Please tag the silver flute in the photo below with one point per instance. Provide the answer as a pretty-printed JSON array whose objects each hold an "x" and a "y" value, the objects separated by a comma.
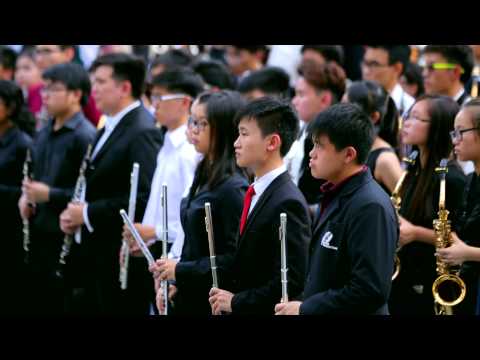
[
  {"x": 132, "y": 203},
  {"x": 211, "y": 244},
  {"x": 77, "y": 197},
  {"x": 26, "y": 222},
  {"x": 164, "y": 284},
  {"x": 141, "y": 244},
  {"x": 283, "y": 253}
]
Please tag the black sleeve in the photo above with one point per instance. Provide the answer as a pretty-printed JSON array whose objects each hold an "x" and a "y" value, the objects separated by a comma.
[
  {"x": 298, "y": 237},
  {"x": 455, "y": 186},
  {"x": 371, "y": 241}
]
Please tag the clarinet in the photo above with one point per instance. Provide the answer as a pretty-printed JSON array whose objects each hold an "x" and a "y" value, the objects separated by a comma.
[
  {"x": 132, "y": 203},
  {"x": 77, "y": 197},
  {"x": 164, "y": 284},
  {"x": 211, "y": 246},
  {"x": 26, "y": 222},
  {"x": 283, "y": 255}
]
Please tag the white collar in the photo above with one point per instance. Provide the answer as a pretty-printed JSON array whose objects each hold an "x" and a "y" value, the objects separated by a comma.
[
  {"x": 112, "y": 121},
  {"x": 263, "y": 182},
  {"x": 459, "y": 94},
  {"x": 178, "y": 136}
]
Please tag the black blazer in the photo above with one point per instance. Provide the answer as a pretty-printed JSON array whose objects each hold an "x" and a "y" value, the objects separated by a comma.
[
  {"x": 193, "y": 274},
  {"x": 135, "y": 139},
  {"x": 253, "y": 275},
  {"x": 352, "y": 252}
]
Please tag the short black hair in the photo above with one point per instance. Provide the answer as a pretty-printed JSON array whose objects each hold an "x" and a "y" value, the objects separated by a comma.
[
  {"x": 345, "y": 125},
  {"x": 273, "y": 116},
  {"x": 12, "y": 97},
  {"x": 214, "y": 73},
  {"x": 172, "y": 58},
  {"x": 396, "y": 53},
  {"x": 457, "y": 54},
  {"x": 273, "y": 81},
  {"x": 73, "y": 76},
  {"x": 329, "y": 52},
  {"x": 183, "y": 80},
  {"x": 125, "y": 67},
  {"x": 8, "y": 58},
  {"x": 413, "y": 75}
]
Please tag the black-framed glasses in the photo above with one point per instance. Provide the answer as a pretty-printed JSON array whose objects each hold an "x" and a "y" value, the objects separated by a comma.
[
  {"x": 373, "y": 64},
  {"x": 457, "y": 134},
  {"x": 197, "y": 124}
]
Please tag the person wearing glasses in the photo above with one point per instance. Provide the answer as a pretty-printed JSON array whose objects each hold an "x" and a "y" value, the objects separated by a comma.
[
  {"x": 465, "y": 250},
  {"x": 446, "y": 70},
  {"x": 221, "y": 182},
  {"x": 385, "y": 64},
  {"x": 49, "y": 55},
  {"x": 426, "y": 128},
  {"x": 172, "y": 94},
  {"x": 58, "y": 152}
]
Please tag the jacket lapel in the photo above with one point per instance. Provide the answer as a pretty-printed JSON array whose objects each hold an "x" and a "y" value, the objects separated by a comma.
[
  {"x": 116, "y": 134},
  {"x": 263, "y": 200}
]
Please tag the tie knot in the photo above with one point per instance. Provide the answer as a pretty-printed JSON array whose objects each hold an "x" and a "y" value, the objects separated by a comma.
[{"x": 250, "y": 191}]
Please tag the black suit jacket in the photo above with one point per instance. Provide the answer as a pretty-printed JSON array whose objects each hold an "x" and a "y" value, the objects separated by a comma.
[
  {"x": 352, "y": 252},
  {"x": 135, "y": 139},
  {"x": 254, "y": 272},
  {"x": 193, "y": 274}
]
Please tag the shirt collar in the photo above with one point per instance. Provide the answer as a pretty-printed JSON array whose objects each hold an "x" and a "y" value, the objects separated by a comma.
[
  {"x": 112, "y": 121},
  {"x": 71, "y": 123},
  {"x": 330, "y": 188},
  {"x": 178, "y": 136},
  {"x": 263, "y": 182},
  {"x": 459, "y": 94}
]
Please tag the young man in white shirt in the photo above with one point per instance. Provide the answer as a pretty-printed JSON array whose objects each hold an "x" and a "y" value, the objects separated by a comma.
[{"x": 172, "y": 94}]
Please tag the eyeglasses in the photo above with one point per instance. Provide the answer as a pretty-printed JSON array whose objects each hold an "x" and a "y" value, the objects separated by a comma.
[
  {"x": 413, "y": 117},
  {"x": 159, "y": 98},
  {"x": 373, "y": 64},
  {"x": 196, "y": 124},
  {"x": 457, "y": 134},
  {"x": 442, "y": 66},
  {"x": 52, "y": 88},
  {"x": 45, "y": 51}
]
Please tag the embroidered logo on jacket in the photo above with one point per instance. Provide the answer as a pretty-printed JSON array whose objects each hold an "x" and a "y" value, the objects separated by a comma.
[{"x": 327, "y": 237}]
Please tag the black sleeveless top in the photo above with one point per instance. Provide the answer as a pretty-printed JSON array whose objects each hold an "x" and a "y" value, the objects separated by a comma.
[{"x": 372, "y": 163}]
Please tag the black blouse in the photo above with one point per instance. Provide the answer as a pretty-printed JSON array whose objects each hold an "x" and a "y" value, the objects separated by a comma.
[{"x": 193, "y": 274}]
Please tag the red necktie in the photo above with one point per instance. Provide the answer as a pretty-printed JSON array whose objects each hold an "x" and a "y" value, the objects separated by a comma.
[{"x": 246, "y": 207}]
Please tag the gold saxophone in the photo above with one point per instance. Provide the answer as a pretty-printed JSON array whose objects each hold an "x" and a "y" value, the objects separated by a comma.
[
  {"x": 397, "y": 201},
  {"x": 443, "y": 239}
]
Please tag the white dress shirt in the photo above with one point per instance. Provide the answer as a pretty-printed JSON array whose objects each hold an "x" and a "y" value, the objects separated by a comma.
[
  {"x": 111, "y": 123},
  {"x": 176, "y": 164},
  {"x": 402, "y": 99},
  {"x": 293, "y": 159},
  {"x": 262, "y": 183}
]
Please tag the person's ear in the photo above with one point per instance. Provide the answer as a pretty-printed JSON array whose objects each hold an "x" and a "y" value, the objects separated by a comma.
[
  {"x": 77, "y": 94},
  {"x": 69, "y": 54},
  {"x": 350, "y": 154},
  {"x": 326, "y": 98},
  {"x": 274, "y": 142},
  {"x": 126, "y": 87},
  {"x": 398, "y": 68},
  {"x": 375, "y": 117}
]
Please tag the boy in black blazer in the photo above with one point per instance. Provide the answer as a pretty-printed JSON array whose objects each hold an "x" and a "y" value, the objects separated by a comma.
[
  {"x": 250, "y": 279},
  {"x": 356, "y": 233}
]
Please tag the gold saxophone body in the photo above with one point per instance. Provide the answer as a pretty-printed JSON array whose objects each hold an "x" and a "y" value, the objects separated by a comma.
[
  {"x": 446, "y": 276},
  {"x": 397, "y": 201}
]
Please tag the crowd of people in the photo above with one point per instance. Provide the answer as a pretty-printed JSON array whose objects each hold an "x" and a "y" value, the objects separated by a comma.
[{"x": 316, "y": 132}]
